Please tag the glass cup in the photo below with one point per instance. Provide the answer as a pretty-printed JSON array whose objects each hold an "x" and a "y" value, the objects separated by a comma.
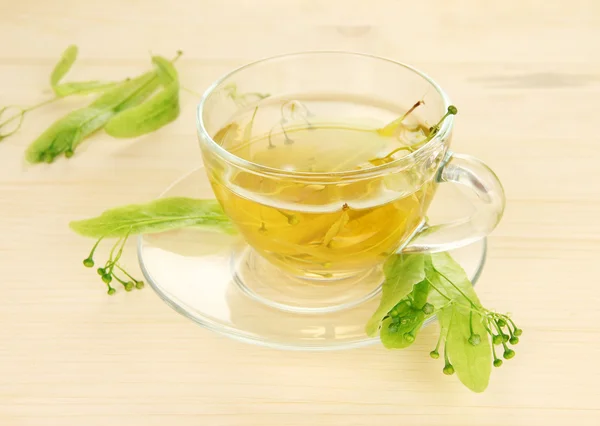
[{"x": 337, "y": 226}]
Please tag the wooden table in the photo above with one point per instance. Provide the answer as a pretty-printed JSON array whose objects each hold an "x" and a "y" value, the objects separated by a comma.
[{"x": 526, "y": 77}]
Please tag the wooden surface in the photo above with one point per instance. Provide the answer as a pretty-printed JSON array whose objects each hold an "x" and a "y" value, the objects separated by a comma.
[{"x": 526, "y": 76}]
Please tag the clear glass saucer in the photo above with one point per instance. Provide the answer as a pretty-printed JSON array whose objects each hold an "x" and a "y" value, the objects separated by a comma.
[{"x": 200, "y": 274}]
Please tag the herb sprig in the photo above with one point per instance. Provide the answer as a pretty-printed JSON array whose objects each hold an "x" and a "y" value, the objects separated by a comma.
[
  {"x": 419, "y": 286},
  {"x": 128, "y": 108},
  {"x": 157, "y": 216}
]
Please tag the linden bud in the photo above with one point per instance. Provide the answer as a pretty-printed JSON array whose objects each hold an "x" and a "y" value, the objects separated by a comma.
[
  {"x": 475, "y": 339},
  {"x": 434, "y": 354},
  {"x": 107, "y": 278},
  {"x": 88, "y": 262},
  {"x": 501, "y": 322},
  {"x": 427, "y": 308},
  {"x": 101, "y": 271},
  {"x": 518, "y": 332},
  {"x": 409, "y": 337},
  {"x": 111, "y": 291},
  {"x": 497, "y": 362},
  {"x": 509, "y": 353},
  {"x": 393, "y": 328},
  {"x": 505, "y": 338},
  {"x": 448, "y": 370},
  {"x": 497, "y": 339},
  {"x": 452, "y": 110},
  {"x": 69, "y": 153},
  {"x": 128, "y": 286},
  {"x": 139, "y": 285},
  {"x": 514, "y": 340}
]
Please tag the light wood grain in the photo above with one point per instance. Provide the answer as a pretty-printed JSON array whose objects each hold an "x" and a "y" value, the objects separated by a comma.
[{"x": 527, "y": 78}]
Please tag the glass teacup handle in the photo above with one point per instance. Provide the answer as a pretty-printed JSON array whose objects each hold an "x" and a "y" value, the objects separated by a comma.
[{"x": 470, "y": 172}]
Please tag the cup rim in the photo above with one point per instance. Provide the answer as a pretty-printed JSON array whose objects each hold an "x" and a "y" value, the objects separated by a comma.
[{"x": 400, "y": 163}]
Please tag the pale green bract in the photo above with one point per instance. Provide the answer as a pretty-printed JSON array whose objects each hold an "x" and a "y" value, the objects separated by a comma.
[
  {"x": 473, "y": 364},
  {"x": 445, "y": 291},
  {"x": 79, "y": 87},
  {"x": 402, "y": 272},
  {"x": 157, "y": 216},
  {"x": 119, "y": 102},
  {"x": 153, "y": 114}
]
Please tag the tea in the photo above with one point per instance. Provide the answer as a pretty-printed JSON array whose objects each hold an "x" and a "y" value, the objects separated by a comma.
[{"x": 327, "y": 227}]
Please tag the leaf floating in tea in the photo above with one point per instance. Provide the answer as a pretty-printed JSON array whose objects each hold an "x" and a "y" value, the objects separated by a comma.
[
  {"x": 433, "y": 130},
  {"x": 243, "y": 98},
  {"x": 337, "y": 227},
  {"x": 392, "y": 128}
]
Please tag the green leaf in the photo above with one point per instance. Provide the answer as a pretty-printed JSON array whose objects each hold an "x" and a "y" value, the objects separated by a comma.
[
  {"x": 153, "y": 114},
  {"x": 64, "y": 65},
  {"x": 82, "y": 87},
  {"x": 129, "y": 93},
  {"x": 157, "y": 216},
  {"x": 472, "y": 363},
  {"x": 64, "y": 135},
  {"x": 402, "y": 272},
  {"x": 444, "y": 272}
]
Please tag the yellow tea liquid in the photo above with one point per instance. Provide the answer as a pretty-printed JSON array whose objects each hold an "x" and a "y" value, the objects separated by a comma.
[{"x": 324, "y": 228}]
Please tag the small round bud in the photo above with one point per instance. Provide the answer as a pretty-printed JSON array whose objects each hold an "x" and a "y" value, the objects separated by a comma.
[
  {"x": 107, "y": 278},
  {"x": 497, "y": 362},
  {"x": 180, "y": 52},
  {"x": 88, "y": 262},
  {"x": 393, "y": 328},
  {"x": 434, "y": 354},
  {"x": 427, "y": 308},
  {"x": 393, "y": 313},
  {"x": 293, "y": 220},
  {"x": 509, "y": 353},
  {"x": 505, "y": 338},
  {"x": 139, "y": 284},
  {"x": 69, "y": 153},
  {"x": 101, "y": 271},
  {"x": 501, "y": 322},
  {"x": 409, "y": 337},
  {"x": 48, "y": 158},
  {"x": 514, "y": 340},
  {"x": 497, "y": 339},
  {"x": 475, "y": 339},
  {"x": 111, "y": 291},
  {"x": 452, "y": 110},
  {"x": 448, "y": 370},
  {"x": 128, "y": 286},
  {"x": 518, "y": 332}
]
